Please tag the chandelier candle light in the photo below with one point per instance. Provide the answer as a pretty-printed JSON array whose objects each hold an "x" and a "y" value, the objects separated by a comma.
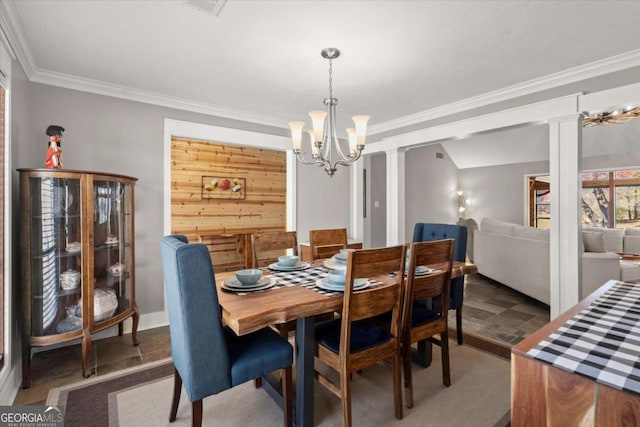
[{"x": 323, "y": 137}]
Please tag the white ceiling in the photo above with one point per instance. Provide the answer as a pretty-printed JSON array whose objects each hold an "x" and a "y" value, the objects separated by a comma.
[{"x": 260, "y": 60}]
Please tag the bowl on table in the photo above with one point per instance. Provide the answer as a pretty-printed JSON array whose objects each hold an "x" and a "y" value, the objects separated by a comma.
[
  {"x": 249, "y": 277},
  {"x": 288, "y": 260},
  {"x": 337, "y": 277},
  {"x": 342, "y": 255}
]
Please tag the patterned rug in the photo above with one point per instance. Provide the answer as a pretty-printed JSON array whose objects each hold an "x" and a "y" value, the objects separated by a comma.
[{"x": 479, "y": 396}]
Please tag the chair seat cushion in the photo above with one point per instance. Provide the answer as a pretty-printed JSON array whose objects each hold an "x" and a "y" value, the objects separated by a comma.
[
  {"x": 256, "y": 354},
  {"x": 421, "y": 315},
  {"x": 364, "y": 335}
]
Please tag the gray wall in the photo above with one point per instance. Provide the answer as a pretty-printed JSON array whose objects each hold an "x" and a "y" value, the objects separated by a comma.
[
  {"x": 323, "y": 201},
  {"x": 430, "y": 188},
  {"x": 498, "y": 191},
  {"x": 378, "y": 193},
  {"x": 114, "y": 135}
]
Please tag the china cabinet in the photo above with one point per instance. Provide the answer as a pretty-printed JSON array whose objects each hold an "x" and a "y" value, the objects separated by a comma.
[{"x": 77, "y": 258}]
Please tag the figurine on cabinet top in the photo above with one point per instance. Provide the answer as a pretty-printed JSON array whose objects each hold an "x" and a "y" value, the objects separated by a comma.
[{"x": 54, "y": 155}]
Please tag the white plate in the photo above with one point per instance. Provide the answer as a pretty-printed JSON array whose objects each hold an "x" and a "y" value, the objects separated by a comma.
[
  {"x": 233, "y": 284},
  {"x": 332, "y": 264},
  {"x": 421, "y": 270},
  {"x": 358, "y": 284},
  {"x": 301, "y": 265}
]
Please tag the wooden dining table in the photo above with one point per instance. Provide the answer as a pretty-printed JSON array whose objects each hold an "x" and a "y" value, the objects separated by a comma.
[{"x": 249, "y": 312}]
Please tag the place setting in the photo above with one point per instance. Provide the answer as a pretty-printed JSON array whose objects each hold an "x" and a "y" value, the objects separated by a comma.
[
  {"x": 335, "y": 282},
  {"x": 248, "y": 280},
  {"x": 422, "y": 270},
  {"x": 289, "y": 263},
  {"x": 338, "y": 261}
]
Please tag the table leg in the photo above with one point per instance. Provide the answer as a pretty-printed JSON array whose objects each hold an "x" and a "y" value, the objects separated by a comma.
[
  {"x": 304, "y": 379},
  {"x": 424, "y": 354}
]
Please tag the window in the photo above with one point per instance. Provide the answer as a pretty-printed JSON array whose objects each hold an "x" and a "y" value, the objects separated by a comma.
[
  {"x": 539, "y": 202},
  {"x": 610, "y": 199}
]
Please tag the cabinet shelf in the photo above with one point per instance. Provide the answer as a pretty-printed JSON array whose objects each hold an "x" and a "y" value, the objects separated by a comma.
[{"x": 59, "y": 207}]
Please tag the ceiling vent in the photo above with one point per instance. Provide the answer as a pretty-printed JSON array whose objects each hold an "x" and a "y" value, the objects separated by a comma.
[{"x": 212, "y": 7}]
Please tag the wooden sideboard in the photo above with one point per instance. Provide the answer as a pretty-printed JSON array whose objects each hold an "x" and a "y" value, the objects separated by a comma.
[
  {"x": 543, "y": 395},
  {"x": 305, "y": 249}
]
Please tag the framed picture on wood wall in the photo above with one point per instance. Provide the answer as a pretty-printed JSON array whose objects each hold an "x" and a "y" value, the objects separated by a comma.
[{"x": 224, "y": 188}]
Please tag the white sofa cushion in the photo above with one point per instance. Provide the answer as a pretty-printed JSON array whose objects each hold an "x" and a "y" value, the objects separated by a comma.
[
  {"x": 532, "y": 233},
  {"x": 629, "y": 271},
  {"x": 613, "y": 238},
  {"x": 632, "y": 231},
  {"x": 491, "y": 225},
  {"x": 593, "y": 241}
]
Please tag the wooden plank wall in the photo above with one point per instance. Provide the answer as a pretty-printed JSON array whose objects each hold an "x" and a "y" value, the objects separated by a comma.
[{"x": 222, "y": 224}]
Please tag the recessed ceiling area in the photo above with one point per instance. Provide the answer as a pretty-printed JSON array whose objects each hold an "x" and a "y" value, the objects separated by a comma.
[{"x": 531, "y": 143}]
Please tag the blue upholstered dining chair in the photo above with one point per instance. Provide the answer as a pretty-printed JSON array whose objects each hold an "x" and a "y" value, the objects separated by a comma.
[
  {"x": 208, "y": 357},
  {"x": 424, "y": 232}
]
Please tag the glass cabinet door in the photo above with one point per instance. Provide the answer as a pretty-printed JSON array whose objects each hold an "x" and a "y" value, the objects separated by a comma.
[
  {"x": 113, "y": 240},
  {"x": 56, "y": 255}
]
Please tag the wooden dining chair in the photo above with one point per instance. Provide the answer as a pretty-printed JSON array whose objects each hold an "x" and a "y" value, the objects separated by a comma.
[
  {"x": 208, "y": 357},
  {"x": 357, "y": 340},
  {"x": 326, "y": 243},
  {"x": 267, "y": 246},
  {"x": 418, "y": 321}
]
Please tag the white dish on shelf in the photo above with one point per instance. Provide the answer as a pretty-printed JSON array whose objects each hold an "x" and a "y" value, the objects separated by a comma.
[
  {"x": 327, "y": 285},
  {"x": 73, "y": 247},
  {"x": 117, "y": 269},
  {"x": 301, "y": 265}
]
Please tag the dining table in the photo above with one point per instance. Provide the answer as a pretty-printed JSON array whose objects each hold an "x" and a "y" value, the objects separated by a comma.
[{"x": 294, "y": 296}]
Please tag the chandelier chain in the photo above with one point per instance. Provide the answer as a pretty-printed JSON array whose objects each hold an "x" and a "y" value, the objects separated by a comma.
[{"x": 330, "y": 79}]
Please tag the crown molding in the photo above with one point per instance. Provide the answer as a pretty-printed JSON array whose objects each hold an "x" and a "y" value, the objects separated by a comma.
[
  {"x": 82, "y": 84},
  {"x": 571, "y": 75},
  {"x": 14, "y": 33}
]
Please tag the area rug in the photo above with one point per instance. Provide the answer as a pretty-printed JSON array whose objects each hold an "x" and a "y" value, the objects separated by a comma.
[{"x": 479, "y": 396}]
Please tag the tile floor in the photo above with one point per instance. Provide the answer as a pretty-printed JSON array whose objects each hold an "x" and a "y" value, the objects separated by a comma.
[{"x": 494, "y": 318}]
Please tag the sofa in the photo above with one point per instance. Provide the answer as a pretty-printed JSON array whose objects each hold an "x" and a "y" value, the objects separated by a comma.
[{"x": 518, "y": 257}]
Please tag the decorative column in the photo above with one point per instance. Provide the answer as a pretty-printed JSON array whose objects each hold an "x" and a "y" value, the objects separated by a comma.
[
  {"x": 565, "y": 167},
  {"x": 395, "y": 196},
  {"x": 356, "y": 211}
]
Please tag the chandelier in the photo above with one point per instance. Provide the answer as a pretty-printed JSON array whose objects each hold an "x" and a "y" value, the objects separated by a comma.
[
  {"x": 323, "y": 137},
  {"x": 617, "y": 117}
]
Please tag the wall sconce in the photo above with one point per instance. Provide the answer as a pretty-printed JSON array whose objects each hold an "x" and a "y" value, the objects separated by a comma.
[{"x": 461, "y": 202}]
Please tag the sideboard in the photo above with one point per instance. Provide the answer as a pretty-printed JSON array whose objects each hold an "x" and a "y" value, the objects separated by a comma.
[{"x": 543, "y": 395}]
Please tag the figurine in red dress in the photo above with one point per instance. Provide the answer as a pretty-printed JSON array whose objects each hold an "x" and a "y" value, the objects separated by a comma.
[{"x": 54, "y": 155}]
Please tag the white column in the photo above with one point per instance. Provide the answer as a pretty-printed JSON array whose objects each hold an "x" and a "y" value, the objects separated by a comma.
[
  {"x": 356, "y": 220},
  {"x": 565, "y": 166},
  {"x": 395, "y": 196}
]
